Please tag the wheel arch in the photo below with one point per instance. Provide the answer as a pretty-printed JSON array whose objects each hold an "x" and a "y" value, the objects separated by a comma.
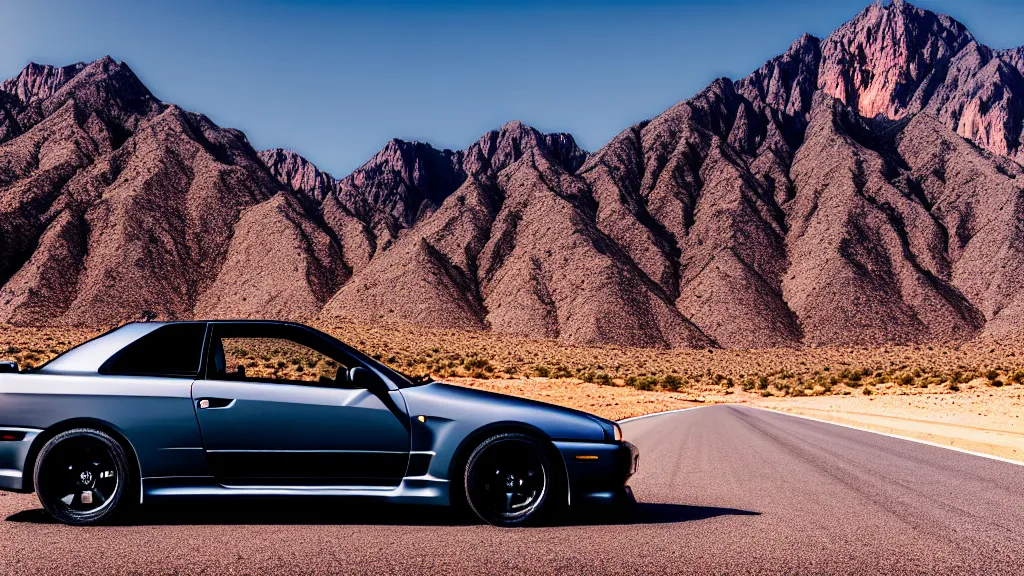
[
  {"x": 456, "y": 468},
  {"x": 63, "y": 426}
]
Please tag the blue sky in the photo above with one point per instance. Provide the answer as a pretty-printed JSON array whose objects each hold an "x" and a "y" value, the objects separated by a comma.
[{"x": 336, "y": 80}]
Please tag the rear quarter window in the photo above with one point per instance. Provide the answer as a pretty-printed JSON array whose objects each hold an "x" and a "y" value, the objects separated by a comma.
[{"x": 172, "y": 351}]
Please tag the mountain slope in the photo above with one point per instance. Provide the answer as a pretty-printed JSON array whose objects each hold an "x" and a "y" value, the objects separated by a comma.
[
  {"x": 514, "y": 248},
  {"x": 863, "y": 188},
  {"x": 118, "y": 206}
]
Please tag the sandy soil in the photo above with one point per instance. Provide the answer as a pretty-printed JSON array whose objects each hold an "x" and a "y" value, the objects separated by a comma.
[
  {"x": 983, "y": 419},
  {"x": 614, "y": 402}
]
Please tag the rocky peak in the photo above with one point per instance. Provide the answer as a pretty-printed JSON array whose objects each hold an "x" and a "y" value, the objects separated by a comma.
[
  {"x": 1014, "y": 57},
  {"x": 401, "y": 184},
  {"x": 297, "y": 173},
  {"x": 889, "y": 58},
  {"x": 786, "y": 83},
  {"x": 416, "y": 164},
  {"x": 38, "y": 81},
  {"x": 498, "y": 149},
  {"x": 411, "y": 160},
  {"x": 105, "y": 87},
  {"x": 563, "y": 149}
]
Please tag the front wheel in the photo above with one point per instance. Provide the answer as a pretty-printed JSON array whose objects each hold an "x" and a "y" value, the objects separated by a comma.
[
  {"x": 508, "y": 480},
  {"x": 82, "y": 477}
]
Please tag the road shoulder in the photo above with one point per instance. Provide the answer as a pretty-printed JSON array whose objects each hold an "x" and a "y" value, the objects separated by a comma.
[{"x": 969, "y": 427}]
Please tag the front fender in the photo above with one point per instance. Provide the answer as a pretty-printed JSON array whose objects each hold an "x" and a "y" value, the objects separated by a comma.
[{"x": 454, "y": 418}]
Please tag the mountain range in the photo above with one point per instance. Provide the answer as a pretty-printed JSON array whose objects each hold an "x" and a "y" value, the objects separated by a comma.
[{"x": 864, "y": 188}]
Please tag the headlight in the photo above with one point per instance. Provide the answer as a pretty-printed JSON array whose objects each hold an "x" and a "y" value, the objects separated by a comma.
[{"x": 618, "y": 432}]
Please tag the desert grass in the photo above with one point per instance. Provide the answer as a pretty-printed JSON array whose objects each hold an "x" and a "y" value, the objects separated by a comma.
[
  {"x": 784, "y": 372},
  {"x": 613, "y": 402},
  {"x": 704, "y": 373},
  {"x": 272, "y": 359},
  {"x": 32, "y": 347}
]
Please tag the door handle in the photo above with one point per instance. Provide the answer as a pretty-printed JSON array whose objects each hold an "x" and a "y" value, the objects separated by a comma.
[{"x": 215, "y": 403}]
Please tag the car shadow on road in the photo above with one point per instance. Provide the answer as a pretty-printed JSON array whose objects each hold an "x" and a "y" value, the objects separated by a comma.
[
  {"x": 333, "y": 513},
  {"x": 257, "y": 512},
  {"x": 652, "y": 513}
]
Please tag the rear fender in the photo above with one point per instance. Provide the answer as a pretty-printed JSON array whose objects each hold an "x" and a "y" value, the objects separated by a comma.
[{"x": 43, "y": 437}]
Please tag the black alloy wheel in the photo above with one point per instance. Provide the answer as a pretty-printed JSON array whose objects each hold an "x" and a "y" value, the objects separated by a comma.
[
  {"x": 508, "y": 480},
  {"x": 82, "y": 477}
]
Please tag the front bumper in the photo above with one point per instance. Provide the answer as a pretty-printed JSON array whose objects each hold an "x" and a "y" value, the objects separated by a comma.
[
  {"x": 597, "y": 473},
  {"x": 13, "y": 454}
]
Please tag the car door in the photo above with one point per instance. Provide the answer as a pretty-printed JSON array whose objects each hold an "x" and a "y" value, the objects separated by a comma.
[{"x": 276, "y": 407}]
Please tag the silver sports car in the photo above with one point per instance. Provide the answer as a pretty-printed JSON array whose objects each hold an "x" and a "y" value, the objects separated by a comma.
[{"x": 248, "y": 409}]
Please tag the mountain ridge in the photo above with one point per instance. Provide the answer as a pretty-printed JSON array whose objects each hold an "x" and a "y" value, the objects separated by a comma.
[{"x": 856, "y": 189}]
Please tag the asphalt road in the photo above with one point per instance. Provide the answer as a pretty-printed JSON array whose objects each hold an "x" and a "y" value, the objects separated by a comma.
[{"x": 721, "y": 490}]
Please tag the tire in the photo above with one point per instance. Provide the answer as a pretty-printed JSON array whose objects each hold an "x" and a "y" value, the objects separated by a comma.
[
  {"x": 83, "y": 477},
  {"x": 509, "y": 480}
]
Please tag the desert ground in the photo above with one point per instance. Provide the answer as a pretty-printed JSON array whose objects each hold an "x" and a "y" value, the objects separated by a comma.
[{"x": 968, "y": 395}]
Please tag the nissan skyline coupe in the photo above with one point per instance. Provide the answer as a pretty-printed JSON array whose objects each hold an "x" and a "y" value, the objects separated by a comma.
[{"x": 162, "y": 411}]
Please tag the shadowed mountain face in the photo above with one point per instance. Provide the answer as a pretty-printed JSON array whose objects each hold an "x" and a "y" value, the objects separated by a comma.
[{"x": 864, "y": 188}]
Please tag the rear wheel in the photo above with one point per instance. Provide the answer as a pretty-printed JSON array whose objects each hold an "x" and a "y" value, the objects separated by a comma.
[
  {"x": 508, "y": 480},
  {"x": 82, "y": 477}
]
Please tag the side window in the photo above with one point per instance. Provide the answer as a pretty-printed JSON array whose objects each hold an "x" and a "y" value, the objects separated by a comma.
[
  {"x": 172, "y": 351},
  {"x": 275, "y": 360}
]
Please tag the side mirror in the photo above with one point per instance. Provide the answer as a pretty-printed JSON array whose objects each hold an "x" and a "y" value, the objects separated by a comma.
[
  {"x": 362, "y": 378},
  {"x": 9, "y": 368}
]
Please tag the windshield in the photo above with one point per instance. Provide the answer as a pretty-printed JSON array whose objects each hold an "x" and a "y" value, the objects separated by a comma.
[
  {"x": 401, "y": 380},
  {"x": 417, "y": 380}
]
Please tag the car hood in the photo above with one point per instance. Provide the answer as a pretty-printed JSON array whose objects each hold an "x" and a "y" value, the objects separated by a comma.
[{"x": 459, "y": 403}]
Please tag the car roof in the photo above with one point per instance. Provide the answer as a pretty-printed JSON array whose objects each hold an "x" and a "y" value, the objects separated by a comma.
[{"x": 87, "y": 358}]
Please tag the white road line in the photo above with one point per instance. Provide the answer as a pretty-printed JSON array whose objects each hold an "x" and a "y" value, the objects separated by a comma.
[
  {"x": 897, "y": 436},
  {"x": 660, "y": 414}
]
